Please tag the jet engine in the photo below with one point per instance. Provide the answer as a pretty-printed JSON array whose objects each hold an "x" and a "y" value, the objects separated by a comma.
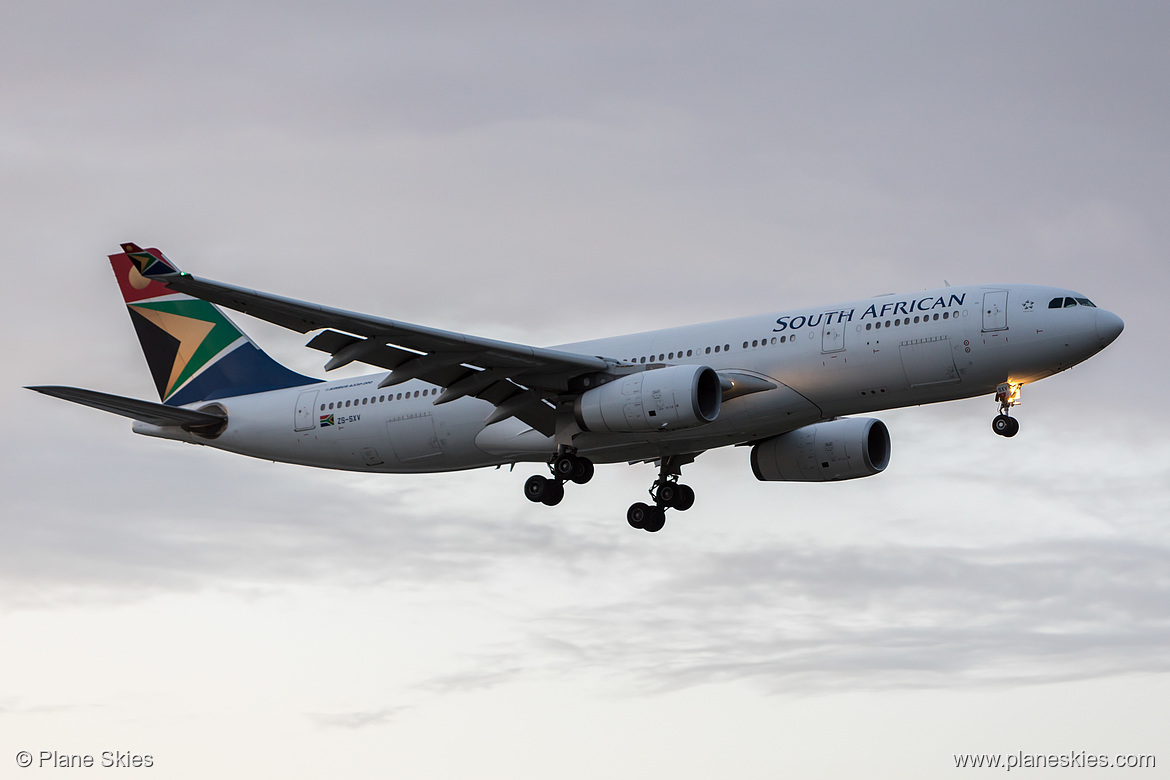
[
  {"x": 660, "y": 399},
  {"x": 838, "y": 449}
]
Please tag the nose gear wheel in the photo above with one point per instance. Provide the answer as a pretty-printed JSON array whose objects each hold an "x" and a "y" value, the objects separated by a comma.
[{"x": 1005, "y": 426}]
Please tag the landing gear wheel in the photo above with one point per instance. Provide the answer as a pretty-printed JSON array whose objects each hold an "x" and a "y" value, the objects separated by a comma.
[
  {"x": 1005, "y": 426},
  {"x": 543, "y": 491},
  {"x": 655, "y": 520},
  {"x": 534, "y": 488},
  {"x": 667, "y": 493},
  {"x": 582, "y": 471},
  {"x": 675, "y": 495},
  {"x": 553, "y": 493},
  {"x": 637, "y": 515},
  {"x": 563, "y": 466}
]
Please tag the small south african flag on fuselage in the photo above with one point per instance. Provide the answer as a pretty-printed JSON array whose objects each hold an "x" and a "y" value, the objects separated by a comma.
[{"x": 326, "y": 420}]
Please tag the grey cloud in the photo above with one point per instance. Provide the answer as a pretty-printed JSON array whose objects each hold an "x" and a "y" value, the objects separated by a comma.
[
  {"x": 160, "y": 516},
  {"x": 630, "y": 147},
  {"x": 846, "y": 619},
  {"x": 360, "y": 719}
]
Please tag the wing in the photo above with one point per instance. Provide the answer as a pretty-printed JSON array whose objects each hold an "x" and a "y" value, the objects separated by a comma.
[
  {"x": 519, "y": 380},
  {"x": 146, "y": 411}
]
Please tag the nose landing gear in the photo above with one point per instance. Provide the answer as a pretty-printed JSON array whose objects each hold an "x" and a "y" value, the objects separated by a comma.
[
  {"x": 1008, "y": 395},
  {"x": 566, "y": 466},
  {"x": 667, "y": 492}
]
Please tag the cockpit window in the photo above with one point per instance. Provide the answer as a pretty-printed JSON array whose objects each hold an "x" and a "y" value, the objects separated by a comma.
[{"x": 1066, "y": 303}]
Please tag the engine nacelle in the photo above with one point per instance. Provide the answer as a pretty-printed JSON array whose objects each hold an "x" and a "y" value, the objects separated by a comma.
[
  {"x": 660, "y": 399},
  {"x": 822, "y": 452}
]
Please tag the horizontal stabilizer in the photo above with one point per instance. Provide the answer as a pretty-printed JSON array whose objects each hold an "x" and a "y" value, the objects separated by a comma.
[{"x": 145, "y": 411}]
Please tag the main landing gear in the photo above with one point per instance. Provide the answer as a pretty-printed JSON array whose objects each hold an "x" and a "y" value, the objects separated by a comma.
[
  {"x": 1008, "y": 395},
  {"x": 667, "y": 492},
  {"x": 566, "y": 466}
]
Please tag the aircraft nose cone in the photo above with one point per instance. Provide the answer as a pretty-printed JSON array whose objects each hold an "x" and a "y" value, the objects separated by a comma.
[{"x": 1109, "y": 326}]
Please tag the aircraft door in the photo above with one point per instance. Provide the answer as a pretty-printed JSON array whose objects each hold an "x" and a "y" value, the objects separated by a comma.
[
  {"x": 304, "y": 420},
  {"x": 833, "y": 337},
  {"x": 995, "y": 310}
]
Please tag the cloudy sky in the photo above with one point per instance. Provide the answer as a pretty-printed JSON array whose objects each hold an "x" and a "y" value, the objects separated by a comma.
[{"x": 543, "y": 173}]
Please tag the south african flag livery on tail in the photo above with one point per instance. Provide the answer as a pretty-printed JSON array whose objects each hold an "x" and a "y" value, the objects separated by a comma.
[{"x": 195, "y": 353}]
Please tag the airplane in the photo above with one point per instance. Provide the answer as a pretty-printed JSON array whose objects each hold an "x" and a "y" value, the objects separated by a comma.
[{"x": 783, "y": 383}]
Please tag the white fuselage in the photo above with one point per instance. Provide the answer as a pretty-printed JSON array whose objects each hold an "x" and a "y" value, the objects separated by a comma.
[{"x": 826, "y": 362}]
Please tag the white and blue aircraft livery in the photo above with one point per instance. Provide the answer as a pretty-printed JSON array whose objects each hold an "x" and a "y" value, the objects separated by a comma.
[{"x": 783, "y": 383}]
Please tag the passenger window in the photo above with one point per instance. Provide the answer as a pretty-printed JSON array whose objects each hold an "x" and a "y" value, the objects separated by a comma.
[
  {"x": 716, "y": 348},
  {"x": 773, "y": 339},
  {"x": 708, "y": 351},
  {"x": 946, "y": 314},
  {"x": 726, "y": 347},
  {"x": 936, "y": 316}
]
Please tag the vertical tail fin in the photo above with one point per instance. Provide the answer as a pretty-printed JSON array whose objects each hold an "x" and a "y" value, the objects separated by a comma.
[{"x": 194, "y": 352}]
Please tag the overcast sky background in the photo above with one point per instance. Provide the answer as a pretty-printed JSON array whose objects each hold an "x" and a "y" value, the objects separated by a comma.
[{"x": 541, "y": 173}]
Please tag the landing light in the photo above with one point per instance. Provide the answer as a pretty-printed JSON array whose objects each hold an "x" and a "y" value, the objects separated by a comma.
[{"x": 1008, "y": 394}]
